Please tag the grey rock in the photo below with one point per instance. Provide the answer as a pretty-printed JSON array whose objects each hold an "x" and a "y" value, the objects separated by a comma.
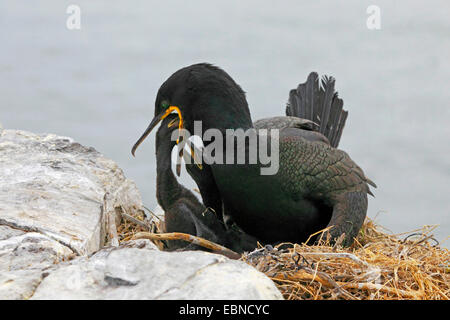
[
  {"x": 147, "y": 273},
  {"x": 8, "y": 232},
  {"x": 55, "y": 186},
  {"x": 60, "y": 200},
  {"x": 24, "y": 260}
]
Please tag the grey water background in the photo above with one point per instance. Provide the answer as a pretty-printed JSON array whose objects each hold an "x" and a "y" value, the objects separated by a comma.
[{"x": 98, "y": 84}]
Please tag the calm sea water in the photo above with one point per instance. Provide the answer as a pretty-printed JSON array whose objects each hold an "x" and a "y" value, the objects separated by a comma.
[{"x": 98, "y": 84}]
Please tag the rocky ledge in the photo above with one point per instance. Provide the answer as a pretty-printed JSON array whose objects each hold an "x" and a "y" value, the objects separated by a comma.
[{"x": 60, "y": 202}]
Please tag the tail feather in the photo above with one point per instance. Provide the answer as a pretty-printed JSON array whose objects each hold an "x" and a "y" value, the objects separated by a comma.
[
  {"x": 319, "y": 103},
  {"x": 328, "y": 84},
  {"x": 312, "y": 94},
  {"x": 339, "y": 128},
  {"x": 335, "y": 114}
]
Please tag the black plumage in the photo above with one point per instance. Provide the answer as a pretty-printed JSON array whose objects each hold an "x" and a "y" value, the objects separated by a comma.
[
  {"x": 316, "y": 186},
  {"x": 183, "y": 211}
]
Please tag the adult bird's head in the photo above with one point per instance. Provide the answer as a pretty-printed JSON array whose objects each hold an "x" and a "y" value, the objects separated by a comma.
[{"x": 201, "y": 92}]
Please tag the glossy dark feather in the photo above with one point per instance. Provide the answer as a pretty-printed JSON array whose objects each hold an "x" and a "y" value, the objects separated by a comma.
[{"x": 318, "y": 102}]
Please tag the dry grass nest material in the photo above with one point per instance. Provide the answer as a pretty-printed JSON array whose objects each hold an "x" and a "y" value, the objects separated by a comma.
[{"x": 379, "y": 265}]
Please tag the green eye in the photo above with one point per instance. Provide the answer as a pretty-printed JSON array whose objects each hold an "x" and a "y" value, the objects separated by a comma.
[{"x": 164, "y": 104}]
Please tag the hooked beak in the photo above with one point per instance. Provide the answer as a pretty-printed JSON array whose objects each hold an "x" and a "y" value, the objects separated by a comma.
[{"x": 155, "y": 122}]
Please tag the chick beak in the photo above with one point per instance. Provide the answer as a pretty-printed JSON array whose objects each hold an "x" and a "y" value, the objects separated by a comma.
[{"x": 188, "y": 157}]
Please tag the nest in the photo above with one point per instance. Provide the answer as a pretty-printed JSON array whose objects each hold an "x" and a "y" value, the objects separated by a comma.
[
  {"x": 136, "y": 223},
  {"x": 378, "y": 266}
]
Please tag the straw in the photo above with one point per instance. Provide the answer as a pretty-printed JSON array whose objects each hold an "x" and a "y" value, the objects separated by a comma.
[{"x": 378, "y": 266}]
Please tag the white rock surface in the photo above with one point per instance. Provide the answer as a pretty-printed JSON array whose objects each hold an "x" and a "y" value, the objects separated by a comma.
[
  {"x": 55, "y": 186},
  {"x": 59, "y": 199},
  {"x": 24, "y": 259},
  {"x": 147, "y": 273}
]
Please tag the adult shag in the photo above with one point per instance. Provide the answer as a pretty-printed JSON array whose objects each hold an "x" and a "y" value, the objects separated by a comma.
[
  {"x": 316, "y": 186},
  {"x": 183, "y": 212}
]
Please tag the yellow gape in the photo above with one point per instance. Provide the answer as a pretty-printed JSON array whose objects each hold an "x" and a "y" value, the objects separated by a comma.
[{"x": 180, "y": 117}]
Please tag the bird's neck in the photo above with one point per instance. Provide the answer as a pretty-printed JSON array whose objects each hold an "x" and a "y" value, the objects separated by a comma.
[{"x": 168, "y": 190}]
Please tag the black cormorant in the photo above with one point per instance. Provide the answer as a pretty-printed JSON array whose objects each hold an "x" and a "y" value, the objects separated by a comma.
[{"x": 316, "y": 185}]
